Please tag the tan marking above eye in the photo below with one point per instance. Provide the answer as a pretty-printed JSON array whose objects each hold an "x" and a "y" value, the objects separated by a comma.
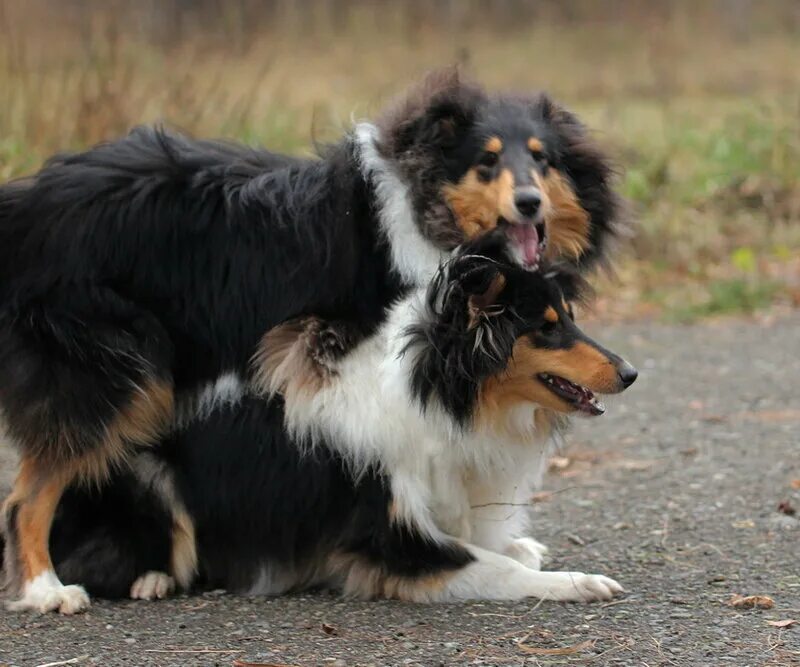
[
  {"x": 550, "y": 314},
  {"x": 535, "y": 145},
  {"x": 494, "y": 145}
]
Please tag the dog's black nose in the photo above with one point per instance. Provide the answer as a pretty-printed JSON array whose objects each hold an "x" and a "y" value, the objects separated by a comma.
[
  {"x": 527, "y": 202},
  {"x": 627, "y": 374}
]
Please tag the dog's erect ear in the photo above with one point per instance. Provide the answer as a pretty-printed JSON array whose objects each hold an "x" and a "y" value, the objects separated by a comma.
[
  {"x": 443, "y": 124},
  {"x": 436, "y": 112}
]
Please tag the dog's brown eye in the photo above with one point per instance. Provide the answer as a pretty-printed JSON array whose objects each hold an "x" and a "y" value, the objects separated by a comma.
[{"x": 488, "y": 159}]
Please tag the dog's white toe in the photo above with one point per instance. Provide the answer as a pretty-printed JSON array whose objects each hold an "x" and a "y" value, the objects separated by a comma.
[
  {"x": 527, "y": 551},
  {"x": 580, "y": 587},
  {"x": 46, "y": 593},
  {"x": 152, "y": 585}
]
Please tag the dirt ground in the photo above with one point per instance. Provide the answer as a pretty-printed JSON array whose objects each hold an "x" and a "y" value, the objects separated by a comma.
[{"x": 684, "y": 492}]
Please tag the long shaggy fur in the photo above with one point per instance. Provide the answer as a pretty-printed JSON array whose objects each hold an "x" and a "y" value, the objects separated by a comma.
[
  {"x": 138, "y": 279},
  {"x": 389, "y": 502}
]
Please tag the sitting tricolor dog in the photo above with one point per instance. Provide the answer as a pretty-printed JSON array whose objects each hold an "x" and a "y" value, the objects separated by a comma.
[{"x": 397, "y": 470}]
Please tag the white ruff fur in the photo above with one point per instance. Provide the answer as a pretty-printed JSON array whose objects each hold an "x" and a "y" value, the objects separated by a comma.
[
  {"x": 414, "y": 258},
  {"x": 446, "y": 481}
]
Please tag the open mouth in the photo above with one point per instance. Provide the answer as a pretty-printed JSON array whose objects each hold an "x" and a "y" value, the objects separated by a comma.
[
  {"x": 578, "y": 397},
  {"x": 529, "y": 242}
]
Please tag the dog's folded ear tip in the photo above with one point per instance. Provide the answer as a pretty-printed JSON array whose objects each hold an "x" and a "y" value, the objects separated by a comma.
[{"x": 481, "y": 303}]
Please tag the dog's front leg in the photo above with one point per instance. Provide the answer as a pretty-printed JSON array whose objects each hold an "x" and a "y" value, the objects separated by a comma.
[{"x": 493, "y": 576}]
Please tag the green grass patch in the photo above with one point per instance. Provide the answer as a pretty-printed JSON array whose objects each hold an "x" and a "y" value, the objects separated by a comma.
[{"x": 734, "y": 296}]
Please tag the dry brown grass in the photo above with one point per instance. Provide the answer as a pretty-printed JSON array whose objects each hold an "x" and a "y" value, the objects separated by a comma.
[{"x": 700, "y": 106}]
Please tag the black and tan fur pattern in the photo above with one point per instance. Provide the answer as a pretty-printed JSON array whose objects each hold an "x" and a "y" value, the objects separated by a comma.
[
  {"x": 136, "y": 273},
  {"x": 272, "y": 514}
]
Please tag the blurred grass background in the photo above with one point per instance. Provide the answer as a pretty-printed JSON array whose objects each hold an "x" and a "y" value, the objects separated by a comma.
[{"x": 699, "y": 101}]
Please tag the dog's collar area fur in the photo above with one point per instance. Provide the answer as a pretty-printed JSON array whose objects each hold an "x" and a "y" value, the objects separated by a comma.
[{"x": 414, "y": 258}]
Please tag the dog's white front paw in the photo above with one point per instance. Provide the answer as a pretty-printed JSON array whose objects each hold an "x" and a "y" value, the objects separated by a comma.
[
  {"x": 152, "y": 585},
  {"x": 580, "y": 587},
  {"x": 527, "y": 551},
  {"x": 46, "y": 593}
]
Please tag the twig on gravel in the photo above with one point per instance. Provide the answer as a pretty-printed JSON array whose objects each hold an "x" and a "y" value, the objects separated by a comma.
[
  {"x": 552, "y": 493},
  {"x": 563, "y": 650},
  {"x": 621, "y": 646},
  {"x": 192, "y": 650},
  {"x": 500, "y": 615},
  {"x": 665, "y": 532},
  {"x": 657, "y": 643},
  {"x": 714, "y": 547},
  {"x": 615, "y": 602},
  {"x": 71, "y": 661}
]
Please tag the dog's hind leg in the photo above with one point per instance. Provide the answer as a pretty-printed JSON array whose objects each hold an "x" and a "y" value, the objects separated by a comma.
[
  {"x": 82, "y": 386},
  {"x": 157, "y": 476},
  {"x": 29, "y": 513},
  {"x": 30, "y": 508}
]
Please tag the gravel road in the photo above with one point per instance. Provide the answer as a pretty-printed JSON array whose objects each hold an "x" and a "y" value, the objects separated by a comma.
[{"x": 675, "y": 492}]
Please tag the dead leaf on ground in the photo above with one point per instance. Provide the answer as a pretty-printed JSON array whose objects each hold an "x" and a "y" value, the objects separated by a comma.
[
  {"x": 785, "y": 623},
  {"x": 566, "y": 650},
  {"x": 785, "y": 507},
  {"x": 790, "y": 415},
  {"x": 329, "y": 629},
  {"x": 541, "y": 496},
  {"x": 795, "y": 484},
  {"x": 635, "y": 465},
  {"x": 559, "y": 462},
  {"x": 751, "y": 602},
  {"x": 714, "y": 419}
]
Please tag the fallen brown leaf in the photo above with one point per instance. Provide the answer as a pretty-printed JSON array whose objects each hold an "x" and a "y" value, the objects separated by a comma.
[
  {"x": 635, "y": 466},
  {"x": 751, "y": 602},
  {"x": 785, "y": 623},
  {"x": 714, "y": 419},
  {"x": 795, "y": 484},
  {"x": 566, "y": 650},
  {"x": 790, "y": 415},
  {"x": 329, "y": 629},
  {"x": 559, "y": 462},
  {"x": 541, "y": 496}
]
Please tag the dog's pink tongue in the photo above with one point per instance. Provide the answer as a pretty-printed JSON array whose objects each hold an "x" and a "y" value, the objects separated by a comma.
[{"x": 528, "y": 239}]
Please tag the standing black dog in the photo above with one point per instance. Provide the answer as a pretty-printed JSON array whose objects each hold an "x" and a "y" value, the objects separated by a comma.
[{"x": 137, "y": 278}]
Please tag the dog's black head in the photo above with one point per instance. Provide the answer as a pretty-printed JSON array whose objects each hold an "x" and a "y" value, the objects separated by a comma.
[
  {"x": 498, "y": 336},
  {"x": 476, "y": 162}
]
